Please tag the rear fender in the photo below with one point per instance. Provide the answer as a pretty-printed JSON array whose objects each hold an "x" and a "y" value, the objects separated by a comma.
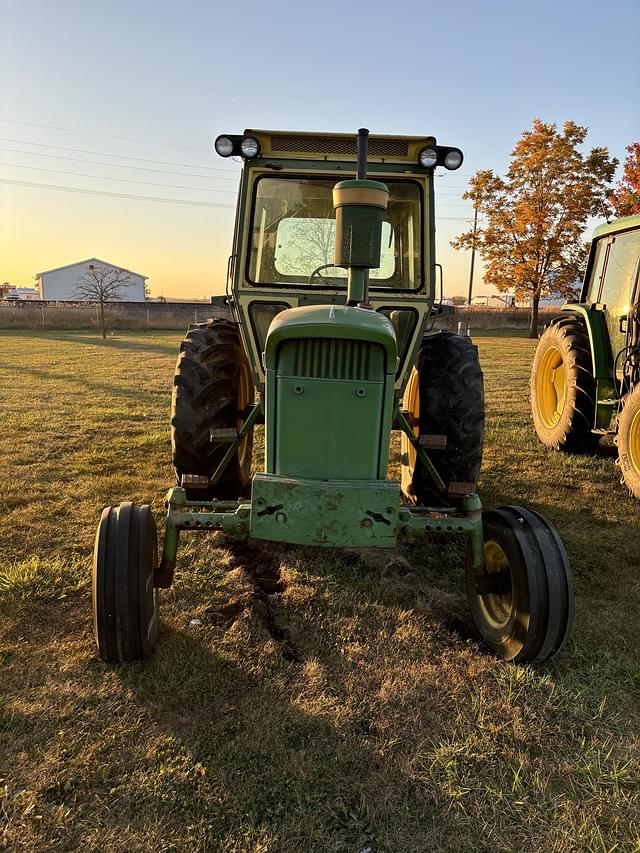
[{"x": 602, "y": 360}]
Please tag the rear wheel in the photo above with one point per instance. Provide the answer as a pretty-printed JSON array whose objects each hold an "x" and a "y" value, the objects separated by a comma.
[
  {"x": 125, "y": 610},
  {"x": 628, "y": 441},
  {"x": 523, "y": 604},
  {"x": 563, "y": 387},
  {"x": 212, "y": 390},
  {"x": 445, "y": 400}
]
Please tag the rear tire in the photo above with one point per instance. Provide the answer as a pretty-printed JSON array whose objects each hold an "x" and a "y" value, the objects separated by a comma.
[
  {"x": 125, "y": 609},
  {"x": 628, "y": 441},
  {"x": 563, "y": 387},
  {"x": 445, "y": 396},
  {"x": 527, "y": 614},
  {"x": 212, "y": 388}
]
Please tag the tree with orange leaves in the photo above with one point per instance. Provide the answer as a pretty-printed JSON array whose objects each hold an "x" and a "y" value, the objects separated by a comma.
[
  {"x": 531, "y": 240},
  {"x": 625, "y": 198}
]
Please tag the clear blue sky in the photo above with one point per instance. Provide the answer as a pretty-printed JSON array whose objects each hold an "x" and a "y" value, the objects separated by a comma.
[{"x": 472, "y": 74}]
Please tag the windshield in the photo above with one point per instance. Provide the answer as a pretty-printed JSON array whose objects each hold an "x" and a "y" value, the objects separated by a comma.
[{"x": 293, "y": 235}]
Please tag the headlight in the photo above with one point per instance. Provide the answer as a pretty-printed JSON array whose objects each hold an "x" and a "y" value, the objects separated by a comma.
[
  {"x": 428, "y": 157},
  {"x": 223, "y": 146},
  {"x": 249, "y": 147},
  {"x": 453, "y": 158}
]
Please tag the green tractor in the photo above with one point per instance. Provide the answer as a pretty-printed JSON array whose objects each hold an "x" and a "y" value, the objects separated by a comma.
[
  {"x": 585, "y": 378},
  {"x": 332, "y": 286}
]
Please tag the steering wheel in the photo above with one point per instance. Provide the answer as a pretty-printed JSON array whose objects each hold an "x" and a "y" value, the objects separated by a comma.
[{"x": 317, "y": 270}]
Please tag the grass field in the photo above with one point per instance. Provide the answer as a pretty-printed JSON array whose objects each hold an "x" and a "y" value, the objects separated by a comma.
[{"x": 326, "y": 701}]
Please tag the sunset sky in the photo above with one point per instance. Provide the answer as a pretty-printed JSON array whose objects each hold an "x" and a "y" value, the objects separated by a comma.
[{"x": 118, "y": 100}]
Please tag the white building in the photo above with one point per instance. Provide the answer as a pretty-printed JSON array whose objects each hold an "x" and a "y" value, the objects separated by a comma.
[
  {"x": 61, "y": 283},
  {"x": 30, "y": 294}
]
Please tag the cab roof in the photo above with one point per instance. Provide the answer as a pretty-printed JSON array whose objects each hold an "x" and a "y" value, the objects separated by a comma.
[
  {"x": 297, "y": 145},
  {"x": 622, "y": 224}
]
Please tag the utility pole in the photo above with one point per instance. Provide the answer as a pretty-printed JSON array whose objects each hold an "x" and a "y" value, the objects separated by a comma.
[{"x": 473, "y": 248}]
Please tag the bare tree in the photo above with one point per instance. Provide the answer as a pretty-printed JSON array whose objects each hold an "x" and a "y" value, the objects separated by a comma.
[
  {"x": 315, "y": 241},
  {"x": 103, "y": 284}
]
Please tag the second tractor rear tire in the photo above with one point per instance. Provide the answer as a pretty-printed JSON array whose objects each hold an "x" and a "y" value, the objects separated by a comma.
[
  {"x": 563, "y": 387},
  {"x": 212, "y": 389}
]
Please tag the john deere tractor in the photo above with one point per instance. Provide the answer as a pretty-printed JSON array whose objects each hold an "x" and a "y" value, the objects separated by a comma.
[
  {"x": 585, "y": 379},
  {"x": 332, "y": 282}
]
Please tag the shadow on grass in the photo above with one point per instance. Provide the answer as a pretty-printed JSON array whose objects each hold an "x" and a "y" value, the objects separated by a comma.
[
  {"x": 221, "y": 735},
  {"x": 267, "y": 767},
  {"x": 92, "y": 385},
  {"x": 118, "y": 343}
]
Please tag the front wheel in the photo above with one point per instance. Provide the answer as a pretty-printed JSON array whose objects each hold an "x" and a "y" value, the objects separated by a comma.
[
  {"x": 125, "y": 609},
  {"x": 523, "y": 604}
]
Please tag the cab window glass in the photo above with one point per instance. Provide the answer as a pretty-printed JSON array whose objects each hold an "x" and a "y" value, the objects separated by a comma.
[
  {"x": 621, "y": 271},
  {"x": 293, "y": 235},
  {"x": 593, "y": 292}
]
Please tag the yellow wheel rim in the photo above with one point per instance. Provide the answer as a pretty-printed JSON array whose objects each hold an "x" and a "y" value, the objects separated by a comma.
[
  {"x": 411, "y": 404},
  {"x": 246, "y": 396},
  {"x": 496, "y": 607},
  {"x": 634, "y": 442},
  {"x": 551, "y": 387}
]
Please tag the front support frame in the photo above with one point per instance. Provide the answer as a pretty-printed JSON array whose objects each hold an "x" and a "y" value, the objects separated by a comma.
[{"x": 412, "y": 524}]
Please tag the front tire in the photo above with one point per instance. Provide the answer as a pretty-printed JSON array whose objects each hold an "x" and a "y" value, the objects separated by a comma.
[
  {"x": 445, "y": 399},
  {"x": 563, "y": 387},
  {"x": 125, "y": 608},
  {"x": 628, "y": 441},
  {"x": 523, "y": 605},
  {"x": 212, "y": 389}
]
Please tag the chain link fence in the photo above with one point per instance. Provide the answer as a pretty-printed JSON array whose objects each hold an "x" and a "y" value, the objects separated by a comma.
[
  {"x": 140, "y": 316},
  {"x": 146, "y": 316}
]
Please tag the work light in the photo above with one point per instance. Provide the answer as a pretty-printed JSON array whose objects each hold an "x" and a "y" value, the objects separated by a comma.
[
  {"x": 250, "y": 147},
  {"x": 428, "y": 157},
  {"x": 224, "y": 146},
  {"x": 453, "y": 158}
]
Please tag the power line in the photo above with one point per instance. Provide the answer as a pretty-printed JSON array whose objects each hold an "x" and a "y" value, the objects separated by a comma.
[
  {"x": 439, "y": 192},
  {"x": 156, "y": 199},
  {"x": 462, "y": 203},
  {"x": 108, "y": 178},
  {"x": 109, "y": 154},
  {"x": 105, "y": 135},
  {"x": 117, "y": 165},
  {"x": 115, "y": 195}
]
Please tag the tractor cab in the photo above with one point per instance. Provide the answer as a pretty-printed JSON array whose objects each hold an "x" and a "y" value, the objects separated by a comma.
[
  {"x": 611, "y": 282},
  {"x": 285, "y": 236}
]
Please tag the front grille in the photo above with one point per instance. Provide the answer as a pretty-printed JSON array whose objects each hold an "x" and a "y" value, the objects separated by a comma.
[
  {"x": 332, "y": 358},
  {"x": 339, "y": 145}
]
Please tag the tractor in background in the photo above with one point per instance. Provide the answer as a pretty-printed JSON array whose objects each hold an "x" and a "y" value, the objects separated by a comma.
[{"x": 585, "y": 378}]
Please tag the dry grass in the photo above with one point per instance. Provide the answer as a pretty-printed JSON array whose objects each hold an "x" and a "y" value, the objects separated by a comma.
[{"x": 326, "y": 701}]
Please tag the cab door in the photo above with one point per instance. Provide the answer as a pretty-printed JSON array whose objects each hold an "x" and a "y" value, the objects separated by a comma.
[{"x": 618, "y": 285}]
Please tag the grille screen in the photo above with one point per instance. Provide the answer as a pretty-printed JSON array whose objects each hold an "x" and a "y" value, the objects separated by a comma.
[
  {"x": 339, "y": 145},
  {"x": 332, "y": 358}
]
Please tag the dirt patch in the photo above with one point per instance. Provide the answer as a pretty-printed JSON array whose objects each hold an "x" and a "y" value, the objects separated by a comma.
[
  {"x": 260, "y": 566},
  {"x": 463, "y": 628}
]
